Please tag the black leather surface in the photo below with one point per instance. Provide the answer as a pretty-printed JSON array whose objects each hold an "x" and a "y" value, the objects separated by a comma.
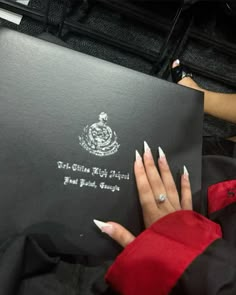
[{"x": 48, "y": 94}]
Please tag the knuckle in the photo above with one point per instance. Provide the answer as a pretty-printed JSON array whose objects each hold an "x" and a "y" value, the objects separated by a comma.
[
  {"x": 139, "y": 172},
  {"x": 150, "y": 169},
  {"x": 187, "y": 198},
  {"x": 185, "y": 186},
  {"x": 143, "y": 186},
  {"x": 122, "y": 236},
  {"x": 167, "y": 210},
  {"x": 151, "y": 218},
  {"x": 157, "y": 186},
  {"x": 165, "y": 169},
  {"x": 146, "y": 203},
  {"x": 143, "y": 189},
  {"x": 149, "y": 164},
  {"x": 171, "y": 189},
  {"x": 186, "y": 203}
]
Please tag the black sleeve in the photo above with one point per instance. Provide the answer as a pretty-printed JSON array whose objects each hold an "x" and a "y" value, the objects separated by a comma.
[{"x": 213, "y": 272}]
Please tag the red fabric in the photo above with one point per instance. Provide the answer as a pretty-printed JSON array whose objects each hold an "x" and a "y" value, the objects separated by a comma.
[
  {"x": 221, "y": 195},
  {"x": 155, "y": 260}
]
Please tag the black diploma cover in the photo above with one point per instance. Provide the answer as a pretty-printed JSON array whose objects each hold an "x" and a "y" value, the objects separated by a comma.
[{"x": 69, "y": 127}]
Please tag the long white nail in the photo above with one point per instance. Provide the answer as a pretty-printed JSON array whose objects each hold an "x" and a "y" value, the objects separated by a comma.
[
  {"x": 103, "y": 226},
  {"x": 146, "y": 147},
  {"x": 185, "y": 170},
  {"x": 137, "y": 156},
  {"x": 161, "y": 153},
  {"x": 177, "y": 61},
  {"x": 186, "y": 174}
]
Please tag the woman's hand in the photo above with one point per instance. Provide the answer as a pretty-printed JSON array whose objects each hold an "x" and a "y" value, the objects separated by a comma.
[{"x": 157, "y": 194}]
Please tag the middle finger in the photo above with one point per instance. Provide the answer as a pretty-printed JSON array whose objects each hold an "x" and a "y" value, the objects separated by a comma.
[
  {"x": 151, "y": 213},
  {"x": 155, "y": 180}
]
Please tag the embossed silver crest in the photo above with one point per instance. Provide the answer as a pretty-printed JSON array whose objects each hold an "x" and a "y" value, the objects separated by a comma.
[{"x": 99, "y": 139}]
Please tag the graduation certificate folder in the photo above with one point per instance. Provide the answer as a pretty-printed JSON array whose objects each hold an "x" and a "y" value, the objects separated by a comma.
[{"x": 69, "y": 127}]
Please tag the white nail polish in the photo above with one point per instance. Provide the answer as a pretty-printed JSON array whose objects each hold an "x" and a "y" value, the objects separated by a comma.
[
  {"x": 185, "y": 174},
  {"x": 137, "y": 156},
  {"x": 102, "y": 225},
  {"x": 146, "y": 147},
  {"x": 161, "y": 153},
  {"x": 185, "y": 171},
  {"x": 177, "y": 61}
]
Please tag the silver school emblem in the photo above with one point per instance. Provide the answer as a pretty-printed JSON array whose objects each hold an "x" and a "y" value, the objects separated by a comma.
[{"x": 99, "y": 139}]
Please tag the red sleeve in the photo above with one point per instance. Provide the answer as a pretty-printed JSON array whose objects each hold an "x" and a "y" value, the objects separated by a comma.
[
  {"x": 157, "y": 258},
  {"x": 221, "y": 195}
]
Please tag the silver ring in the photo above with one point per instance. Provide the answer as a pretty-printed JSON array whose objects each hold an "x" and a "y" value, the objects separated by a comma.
[{"x": 161, "y": 198}]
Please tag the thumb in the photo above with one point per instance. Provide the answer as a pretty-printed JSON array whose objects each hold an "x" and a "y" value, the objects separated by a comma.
[{"x": 116, "y": 231}]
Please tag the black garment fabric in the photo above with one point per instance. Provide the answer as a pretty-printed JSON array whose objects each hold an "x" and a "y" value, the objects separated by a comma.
[
  {"x": 216, "y": 266},
  {"x": 215, "y": 169},
  {"x": 22, "y": 258},
  {"x": 26, "y": 269},
  {"x": 213, "y": 145},
  {"x": 211, "y": 273}
]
